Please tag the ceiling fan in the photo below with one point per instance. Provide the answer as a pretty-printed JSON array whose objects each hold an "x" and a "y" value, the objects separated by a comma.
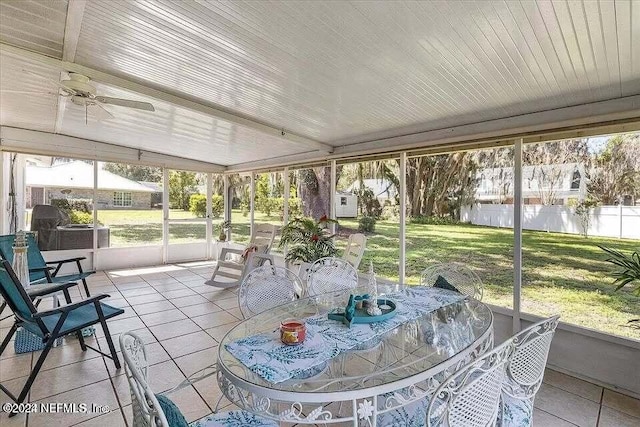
[{"x": 80, "y": 91}]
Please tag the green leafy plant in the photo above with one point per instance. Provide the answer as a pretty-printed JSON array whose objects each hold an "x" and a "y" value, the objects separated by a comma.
[
  {"x": 367, "y": 224},
  {"x": 222, "y": 229},
  {"x": 628, "y": 273},
  {"x": 582, "y": 210},
  {"x": 308, "y": 240},
  {"x": 80, "y": 217},
  {"x": 198, "y": 205}
]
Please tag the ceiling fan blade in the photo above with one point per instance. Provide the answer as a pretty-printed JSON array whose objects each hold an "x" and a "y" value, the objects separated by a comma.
[
  {"x": 54, "y": 82},
  {"x": 100, "y": 112},
  {"x": 138, "y": 105}
]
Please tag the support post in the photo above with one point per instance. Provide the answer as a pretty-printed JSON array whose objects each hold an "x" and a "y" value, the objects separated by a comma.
[
  {"x": 332, "y": 195},
  {"x": 165, "y": 215},
  {"x": 209, "y": 232},
  {"x": 403, "y": 219},
  {"x": 227, "y": 202},
  {"x": 285, "y": 196},
  {"x": 620, "y": 214},
  {"x": 94, "y": 255},
  {"x": 4, "y": 182},
  {"x": 252, "y": 202},
  {"x": 517, "y": 233}
]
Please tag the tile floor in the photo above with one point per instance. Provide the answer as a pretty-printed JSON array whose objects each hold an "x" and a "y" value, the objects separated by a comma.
[{"x": 182, "y": 320}]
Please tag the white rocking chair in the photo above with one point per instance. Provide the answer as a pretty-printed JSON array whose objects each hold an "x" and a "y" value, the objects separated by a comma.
[
  {"x": 234, "y": 270},
  {"x": 354, "y": 251}
]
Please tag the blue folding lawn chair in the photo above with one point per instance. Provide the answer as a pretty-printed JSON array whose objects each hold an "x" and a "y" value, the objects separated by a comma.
[{"x": 51, "y": 325}]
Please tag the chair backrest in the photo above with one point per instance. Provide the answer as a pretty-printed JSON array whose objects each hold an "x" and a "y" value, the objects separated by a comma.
[
  {"x": 471, "y": 396},
  {"x": 526, "y": 366},
  {"x": 34, "y": 256},
  {"x": 458, "y": 275},
  {"x": 354, "y": 251},
  {"x": 146, "y": 409},
  {"x": 267, "y": 287},
  {"x": 263, "y": 235},
  {"x": 14, "y": 294},
  {"x": 330, "y": 275}
]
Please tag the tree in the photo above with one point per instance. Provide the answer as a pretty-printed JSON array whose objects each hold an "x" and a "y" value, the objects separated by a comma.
[
  {"x": 616, "y": 171},
  {"x": 547, "y": 161},
  {"x": 181, "y": 186},
  {"x": 314, "y": 188},
  {"x": 135, "y": 172}
]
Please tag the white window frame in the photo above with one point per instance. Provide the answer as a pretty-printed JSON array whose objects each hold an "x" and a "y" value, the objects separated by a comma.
[{"x": 120, "y": 199}]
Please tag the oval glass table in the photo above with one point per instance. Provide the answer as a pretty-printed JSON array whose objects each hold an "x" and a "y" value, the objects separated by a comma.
[{"x": 379, "y": 381}]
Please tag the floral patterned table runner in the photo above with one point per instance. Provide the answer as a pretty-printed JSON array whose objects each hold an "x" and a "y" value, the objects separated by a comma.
[{"x": 265, "y": 355}]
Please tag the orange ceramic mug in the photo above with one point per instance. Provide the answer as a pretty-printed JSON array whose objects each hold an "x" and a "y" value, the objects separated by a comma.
[{"x": 292, "y": 332}]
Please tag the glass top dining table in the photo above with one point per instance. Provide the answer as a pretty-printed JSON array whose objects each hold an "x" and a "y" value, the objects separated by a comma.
[{"x": 413, "y": 356}]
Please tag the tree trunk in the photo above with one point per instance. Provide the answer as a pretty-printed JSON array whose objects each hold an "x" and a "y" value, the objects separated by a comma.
[{"x": 315, "y": 191}]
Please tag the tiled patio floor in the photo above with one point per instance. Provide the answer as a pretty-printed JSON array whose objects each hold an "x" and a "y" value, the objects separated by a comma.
[{"x": 182, "y": 321}]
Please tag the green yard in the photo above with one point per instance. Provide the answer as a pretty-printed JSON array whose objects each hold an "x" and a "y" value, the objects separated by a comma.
[{"x": 563, "y": 273}]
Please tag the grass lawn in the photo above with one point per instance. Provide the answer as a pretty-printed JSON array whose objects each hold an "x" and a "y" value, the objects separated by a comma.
[{"x": 563, "y": 273}]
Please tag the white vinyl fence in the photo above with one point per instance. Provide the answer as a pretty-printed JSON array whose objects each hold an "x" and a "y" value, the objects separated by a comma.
[{"x": 606, "y": 221}]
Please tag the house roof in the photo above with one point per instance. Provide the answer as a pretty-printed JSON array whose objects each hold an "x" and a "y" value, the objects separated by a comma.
[{"x": 78, "y": 174}]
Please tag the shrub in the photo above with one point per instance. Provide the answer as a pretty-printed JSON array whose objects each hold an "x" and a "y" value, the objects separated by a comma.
[
  {"x": 198, "y": 205},
  {"x": 434, "y": 220},
  {"x": 390, "y": 212},
  {"x": 79, "y": 217},
  {"x": 68, "y": 205},
  {"x": 368, "y": 203},
  {"x": 367, "y": 224},
  {"x": 266, "y": 205}
]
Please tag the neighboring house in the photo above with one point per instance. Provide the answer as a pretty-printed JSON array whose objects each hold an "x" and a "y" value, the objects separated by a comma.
[
  {"x": 346, "y": 205},
  {"x": 383, "y": 189},
  {"x": 555, "y": 184},
  {"x": 75, "y": 180}
]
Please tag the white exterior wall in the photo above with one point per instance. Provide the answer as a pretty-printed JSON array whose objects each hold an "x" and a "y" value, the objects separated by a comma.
[
  {"x": 350, "y": 210},
  {"x": 606, "y": 221}
]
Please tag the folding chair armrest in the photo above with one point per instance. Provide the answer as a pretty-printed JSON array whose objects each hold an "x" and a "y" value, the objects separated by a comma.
[
  {"x": 34, "y": 269},
  {"x": 41, "y": 290},
  {"x": 70, "y": 307},
  {"x": 64, "y": 261}
]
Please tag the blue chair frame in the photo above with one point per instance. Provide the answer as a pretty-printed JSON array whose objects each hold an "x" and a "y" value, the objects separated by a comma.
[
  {"x": 52, "y": 324},
  {"x": 41, "y": 271}
]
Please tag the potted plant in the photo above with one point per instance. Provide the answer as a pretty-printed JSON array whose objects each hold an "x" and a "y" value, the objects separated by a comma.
[
  {"x": 308, "y": 240},
  {"x": 629, "y": 272},
  {"x": 222, "y": 229}
]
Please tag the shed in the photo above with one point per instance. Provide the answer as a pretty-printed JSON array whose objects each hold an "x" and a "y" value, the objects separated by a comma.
[{"x": 346, "y": 205}]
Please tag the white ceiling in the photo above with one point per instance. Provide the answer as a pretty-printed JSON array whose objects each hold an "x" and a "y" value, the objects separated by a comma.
[{"x": 337, "y": 72}]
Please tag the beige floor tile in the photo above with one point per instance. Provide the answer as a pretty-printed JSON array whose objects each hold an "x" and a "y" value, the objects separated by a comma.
[
  {"x": 190, "y": 403},
  {"x": 178, "y": 293},
  {"x": 68, "y": 377},
  {"x": 67, "y": 354},
  {"x": 121, "y": 385},
  {"x": 15, "y": 367},
  {"x": 100, "y": 394},
  {"x": 219, "y": 332},
  {"x": 19, "y": 420},
  {"x": 112, "y": 419},
  {"x": 545, "y": 419},
  {"x": 130, "y": 293},
  {"x": 228, "y": 303},
  {"x": 186, "y": 344},
  {"x": 212, "y": 320},
  {"x": 190, "y": 300},
  {"x": 118, "y": 326},
  {"x": 573, "y": 385},
  {"x": 137, "y": 284},
  {"x": 611, "y": 418},
  {"x": 154, "y": 307},
  {"x": 155, "y": 354},
  {"x": 210, "y": 391},
  {"x": 174, "y": 329},
  {"x": 200, "y": 309},
  {"x": 622, "y": 403},
  {"x": 196, "y": 361},
  {"x": 174, "y": 285},
  {"x": 164, "y": 376},
  {"x": 162, "y": 281},
  {"x": 145, "y": 299},
  {"x": 168, "y": 316},
  {"x": 235, "y": 312},
  {"x": 567, "y": 406}
]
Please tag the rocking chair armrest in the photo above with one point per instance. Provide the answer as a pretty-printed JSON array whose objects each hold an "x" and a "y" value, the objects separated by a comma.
[
  {"x": 46, "y": 289},
  {"x": 225, "y": 251},
  {"x": 70, "y": 307},
  {"x": 64, "y": 261}
]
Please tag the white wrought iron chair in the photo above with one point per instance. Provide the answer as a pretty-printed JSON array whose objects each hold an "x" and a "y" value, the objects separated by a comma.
[
  {"x": 233, "y": 267},
  {"x": 471, "y": 396},
  {"x": 330, "y": 275},
  {"x": 267, "y": 287},
  {"x": 525, "y": 372},
  {"x": 457, "y": 275},
  {"x": 147, "y": 411},
  {"x": 354, "y": 251}
]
